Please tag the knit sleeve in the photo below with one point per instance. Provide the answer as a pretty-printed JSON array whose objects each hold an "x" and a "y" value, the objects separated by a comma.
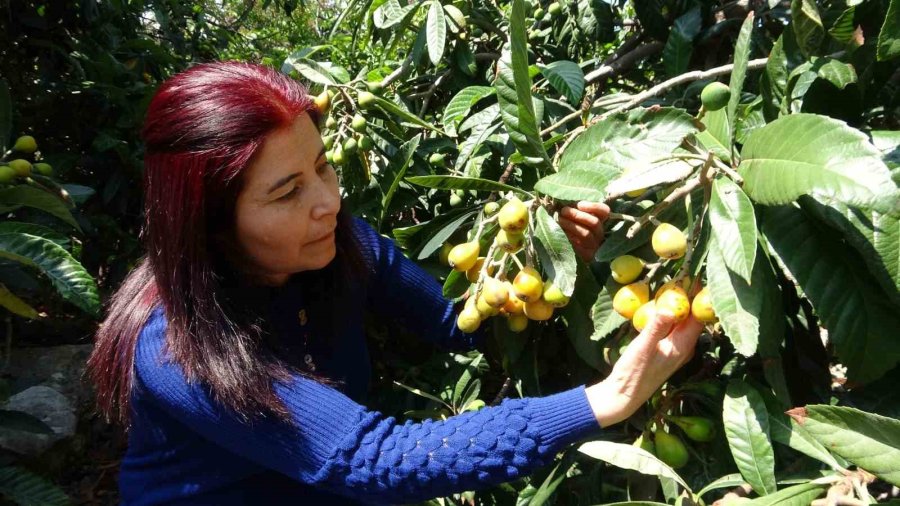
[
  {"x": 339, "y": 445},
  {"x": 404, "y": 292}
]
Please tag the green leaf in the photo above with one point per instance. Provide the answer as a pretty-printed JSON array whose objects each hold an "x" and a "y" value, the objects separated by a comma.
[
  {"x": 574, "y": 185},
  {"x": 437, "y": 32},
  {"x": 579, "y": 326},
  {"x": 596, "y": 20},
  {"x": 396, "y": 110},
  {"x": 874, "y": 235},
  {"x": 727, "y": 481},
  {"x": 464, "y": 380},
  {"x": 650, "y": 174},
  {"x": 406, "y": 152},
  {"x": 680, "y": 45},
  {"x": 23, "y": 195},
  {"x": 650, "y": 14},
  {"x": 5, "y": 116},
  {"x": 567, "y": 78},
  {"x": 19, "y": 420},
  {"x": 513, "y": 84},
  {"x": 16, "y": 305},
  {"x": 862, "y": 323},
  {"x": 737, "y": 305},
  {"x": 807, "y": 25},
  {"x": 807, "y": 154},
  {"x": 733, "y": 224},
  {"x": 555, "y": 250},
  {"x": 739, "y": 73},
  {"x": 630, "y": 457},
  {"x": 787, "y": 431},
  {"x": 798, "y": 495},
  {"x": 26, "y": 488},
  {"x": 889, "y": 36},
  {"x": 717, "y": 135},
  {"x": 747, "y": 430},
  {"x": 834, "y": 71},
  {"x": 392, "y": 13},
  {"x": 66, "y": 274},
  {"x": 461, "y": 103},
  {"x": 442, "y": 231},
  {"x": 314, "y": 71},
  {"x": 606, "y": 319},
  {"x": 627, "y": 140},
  {"x": 421, "y": 393},
  {"x": 12, "y": 227},
  {"x": 870, "y": 441},
  {"x": 463, "y": 183},
  {"x": 842, "y": 29}
]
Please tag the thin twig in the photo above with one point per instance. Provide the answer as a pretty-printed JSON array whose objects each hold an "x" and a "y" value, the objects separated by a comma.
[
  {"x": 670, "y": 199},
  {"x": 624, "y": 61}
]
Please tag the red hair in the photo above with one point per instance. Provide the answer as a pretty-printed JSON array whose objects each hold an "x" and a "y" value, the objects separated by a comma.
[{"x": 203, "y": 127}]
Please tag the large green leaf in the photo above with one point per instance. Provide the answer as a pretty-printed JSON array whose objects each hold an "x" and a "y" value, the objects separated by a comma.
[
  {"x": 406, "y": 152},
  {"x": 483, "y": 124},
  {"x": 513, "y": 84},
  {"x": 733, "y": 224},
  {"x": 440, "y": 229},
  {"x": 807, "y": 154},
  {"x": 861, "y": 321},
  {"x": 392, "y": 13},
  {"x": 874, "y": 235},
  {"x": 739, "y": 72},
  {"x": 628, "y": 140},
  {"x": 889, "y": 36},
  {"x": 12, "y": 227},
  {"x": 718, "y": 134},
  {"x": 28, "y": 196},
  {"x": 436, "y": 26},
  {"x": 807, "y": 25},
  {"x": 798, "y": 495},
  {"x": 737, "y": 305},
  {"x": 14, "y": 304},
  {"x": 398, "y": 111},
  {"x": 596, "y": 20},
  {"x": 747, "y": 429},
  {"x": 787, "y": 431},
  {"x": 650, "y": 174},
  {"x": 5, "y": 116},
  {"x": 567, "y": 78},
  {"x": 461, "y": 103},
  {"x": 574, "y": 184},
  {"x": 579, "y": 326},
  {"x": 555, "y": 251},
  {"x": 630, "y": 457},
  {"x": 680, "y": 45},
  {"x": 842, "y": 30},
  {"x": 65, "y": 273},
  {"x": 870, "y": 441}
]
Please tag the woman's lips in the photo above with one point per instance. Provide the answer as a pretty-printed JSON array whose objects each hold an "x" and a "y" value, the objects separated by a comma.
[{"x": 329, "y": 235}]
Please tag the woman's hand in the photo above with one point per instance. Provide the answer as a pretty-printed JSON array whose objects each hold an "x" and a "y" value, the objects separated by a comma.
[
  {"x": 584, "y": 226},
  {"x": 651, "y": 358}
]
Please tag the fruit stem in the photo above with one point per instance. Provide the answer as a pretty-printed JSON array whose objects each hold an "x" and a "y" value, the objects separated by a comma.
[
  {"x": 686, "y": 188},
  {"x": 518, "y": 262},
  {"x": 694, "y": 236},
  {"x": 346, "y": 96},
  {"x": 484, "y": 267},
  {"x": 623, "y": 217}
]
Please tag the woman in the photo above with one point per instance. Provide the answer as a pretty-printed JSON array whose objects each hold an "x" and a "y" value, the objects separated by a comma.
[{"x": 235, "y": 354}]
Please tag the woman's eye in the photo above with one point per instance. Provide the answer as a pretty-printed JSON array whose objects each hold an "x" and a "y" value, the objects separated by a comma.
[
  {"x": 289, "y": 194},
  {"x": 322, "y": 169}
]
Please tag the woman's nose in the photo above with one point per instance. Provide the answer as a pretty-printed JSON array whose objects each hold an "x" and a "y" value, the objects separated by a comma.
[{"x": 329, "y": 202}]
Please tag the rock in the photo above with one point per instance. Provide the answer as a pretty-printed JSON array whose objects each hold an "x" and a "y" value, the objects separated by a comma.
[
  {"x": 49, "y": 406},
  {"x": 58, "y": 367}
]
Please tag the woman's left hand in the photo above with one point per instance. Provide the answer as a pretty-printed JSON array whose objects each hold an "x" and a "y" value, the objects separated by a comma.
[{"x": 584, "y": 226}]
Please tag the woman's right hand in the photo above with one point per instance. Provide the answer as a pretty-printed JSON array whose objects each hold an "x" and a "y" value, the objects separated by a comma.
[{"x": 651, "y": 358}]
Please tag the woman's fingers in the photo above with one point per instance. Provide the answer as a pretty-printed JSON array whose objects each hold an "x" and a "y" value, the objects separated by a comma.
[{"x": 598, "y": 209}]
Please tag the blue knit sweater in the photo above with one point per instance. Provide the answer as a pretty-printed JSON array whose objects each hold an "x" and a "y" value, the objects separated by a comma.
[{"x": 185, "y": 448}]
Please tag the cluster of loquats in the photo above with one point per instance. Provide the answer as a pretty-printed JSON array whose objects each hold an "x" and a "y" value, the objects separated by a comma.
[
  {"x": 527, "y": 297},
  {"x": 20, "y": 166},
  {"x": 633, "y": 299},
  {"x": 345, "y": 128}
]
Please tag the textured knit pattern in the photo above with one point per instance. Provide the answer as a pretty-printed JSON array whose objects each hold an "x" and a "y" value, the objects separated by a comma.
[{"x": 185, "y": 448}]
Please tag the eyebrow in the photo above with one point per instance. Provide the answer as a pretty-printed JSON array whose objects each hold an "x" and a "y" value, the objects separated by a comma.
[{"x": 281, "y": 182}]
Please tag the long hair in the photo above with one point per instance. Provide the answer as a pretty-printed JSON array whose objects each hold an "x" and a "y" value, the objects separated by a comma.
[{"x": 202, "y": 128}]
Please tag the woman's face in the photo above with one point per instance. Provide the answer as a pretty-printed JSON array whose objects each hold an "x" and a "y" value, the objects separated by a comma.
[{"x": 286, "y": 213}]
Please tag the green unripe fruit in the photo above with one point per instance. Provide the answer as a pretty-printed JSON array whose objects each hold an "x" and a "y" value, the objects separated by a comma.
[
  {"x": 329, "y": 156},
  {"x": 22, "y": 167},
  {"x": 626, "y": 268},
  {"x": 538, "y": 13},
  {"x": 554, "y": 9},
  {"x": 338, "y": 156},
  {"x": 328, "y": 141},
  {"x": 463, "y": 256},
  {"x": 436, "y": 159},
  {"x": 669, "y": 241},
  {"x": 477, "y": 32},
  {"x": 350, "y": 146},
  {"x": 330, "y": 123},
  {"x": 490, "y": 208},
  {"x": 554, "y": 296},
  {"x": 517, "y": 322},
  {"x": 25, "y": 144},
  {"x": 697, "y": 428},
  {"x": 358, "y": 123},
  {"x": 671, "y": 450},
  {"x": 715, "y": 96},
  {"x": 7, "y": 175},
  {"x": 44, "y": 169},
  {"x": 366, "y": 143},
  {"x": 366, "y": 99},
  {"x": 455, "y": 200},
  {"x": 374, "y": 86},
  {"x": 445, "y": 253}
]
